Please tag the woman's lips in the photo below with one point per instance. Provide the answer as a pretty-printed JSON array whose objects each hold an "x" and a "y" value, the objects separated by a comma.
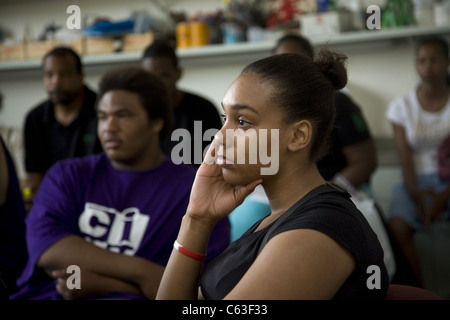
[{"x": 222, "y": 161}]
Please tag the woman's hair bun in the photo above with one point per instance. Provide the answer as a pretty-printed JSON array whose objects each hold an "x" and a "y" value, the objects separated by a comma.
[{"x": 332, "y": 65}]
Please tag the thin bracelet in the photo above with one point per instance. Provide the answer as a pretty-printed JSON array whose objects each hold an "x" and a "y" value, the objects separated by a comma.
[{"x": 187, "y": 252}]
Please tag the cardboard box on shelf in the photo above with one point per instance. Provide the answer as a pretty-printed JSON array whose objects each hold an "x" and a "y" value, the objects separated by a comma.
[
  {"x": 10, "y": 52},
  {"x": 136, "y": 42},
  {"x": 325, "y": 23},
  {"x": 37, "y": 49},
  {"x": 78, "y": 45},
  {"x": 98, "y": 45},
  {"x": 93, "y": 45}
]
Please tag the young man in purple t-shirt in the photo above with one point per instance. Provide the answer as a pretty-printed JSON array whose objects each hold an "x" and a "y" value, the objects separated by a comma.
[{"x": 103, "y": 226}]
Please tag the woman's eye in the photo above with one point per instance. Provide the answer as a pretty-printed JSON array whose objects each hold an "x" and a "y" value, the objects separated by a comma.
[
  {"x": 224, "y": 117},
  {"x": 242, "y": 123}
]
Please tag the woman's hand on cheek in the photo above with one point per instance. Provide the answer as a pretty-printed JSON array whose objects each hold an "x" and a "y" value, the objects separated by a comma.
[{"x": 212, "y": 198}]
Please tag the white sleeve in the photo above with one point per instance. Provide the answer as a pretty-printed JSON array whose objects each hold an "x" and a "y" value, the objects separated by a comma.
[{"x": 396, "y": 111}]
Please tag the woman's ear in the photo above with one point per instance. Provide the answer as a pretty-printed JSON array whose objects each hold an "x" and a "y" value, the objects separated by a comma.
[{"x": 301, "y": 135}]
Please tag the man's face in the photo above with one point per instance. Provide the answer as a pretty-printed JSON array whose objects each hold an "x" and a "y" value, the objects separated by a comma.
[
  {"x": 62, "y": 81},
  {"x": 127, "y": 135},
  {"x": 164, "y": 69}
]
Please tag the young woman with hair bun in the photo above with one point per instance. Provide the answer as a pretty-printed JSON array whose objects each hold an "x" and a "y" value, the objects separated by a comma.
[{"x": 321, "y": 248}]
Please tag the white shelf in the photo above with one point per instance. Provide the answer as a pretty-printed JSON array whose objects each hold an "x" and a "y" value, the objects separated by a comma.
[{"x": 207, "y": 54}]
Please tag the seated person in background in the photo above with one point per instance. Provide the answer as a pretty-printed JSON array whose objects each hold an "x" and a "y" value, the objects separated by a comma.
[
  {"x": 13, "y": 139},
  {"x": 64, "y": 126},
  {"x": 116, "y": 214},
  {"x": 352, "y": 158},
  {"x": 160, "y": 59},
  {"x": 421, "y": 121},
  {"x": 13, "y": 249},
  {"x": 323, "y": 249}
]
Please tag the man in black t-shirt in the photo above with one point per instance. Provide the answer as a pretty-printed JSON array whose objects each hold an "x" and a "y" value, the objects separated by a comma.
[
  {"x": 63, "y": 126},
  {"x": 350, "y": 131},
  {"x": 191, "y": 112},
  {"x": 352, "y": 157}
]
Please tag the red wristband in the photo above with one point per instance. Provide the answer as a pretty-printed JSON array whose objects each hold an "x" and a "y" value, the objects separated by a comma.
[{"x": 187, "y": 252}]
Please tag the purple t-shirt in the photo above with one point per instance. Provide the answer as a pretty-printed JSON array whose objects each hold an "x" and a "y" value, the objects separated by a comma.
[{"x": 135, "y": 213}]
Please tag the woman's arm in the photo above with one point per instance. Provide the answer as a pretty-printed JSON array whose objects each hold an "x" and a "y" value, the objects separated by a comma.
[
  {"x": 406, "y": 158},
  {"x": 287, "y": 271},
  {"x": 408, "y": 170},
  {"x": 180, "y": 279},
  {"x": 211, "y": 200}
]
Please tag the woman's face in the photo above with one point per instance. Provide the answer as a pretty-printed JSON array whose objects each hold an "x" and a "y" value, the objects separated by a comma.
[
  {"x": 249, "y": 141},
  {"x": 432, "y": 64}
]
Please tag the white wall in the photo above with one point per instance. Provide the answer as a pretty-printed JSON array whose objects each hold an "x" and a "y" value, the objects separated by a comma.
[{"x": 377, "y": 73}]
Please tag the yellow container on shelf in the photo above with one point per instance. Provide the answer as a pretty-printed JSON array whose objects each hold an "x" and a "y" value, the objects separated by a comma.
[
  {"x": 199, "y": 33},
  {"x": 183, "y": 35}
]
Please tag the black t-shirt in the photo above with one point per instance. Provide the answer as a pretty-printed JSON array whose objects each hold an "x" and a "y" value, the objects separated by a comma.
[
  {"x": 350, "y": 128},
  {"x": 47, "y": 141},
  {"x": 331, "y": 213},
  {"x": 193, "y": 108}
]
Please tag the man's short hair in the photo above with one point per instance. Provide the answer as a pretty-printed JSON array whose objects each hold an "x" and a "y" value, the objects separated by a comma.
[
  {"x": 63, "y": 52},
  {"x": 151, "y": 91},
  {"x": 161, "y": 49}
]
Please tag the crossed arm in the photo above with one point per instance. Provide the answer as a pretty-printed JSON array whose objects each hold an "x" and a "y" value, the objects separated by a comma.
[{"x": 102, "y": 271}]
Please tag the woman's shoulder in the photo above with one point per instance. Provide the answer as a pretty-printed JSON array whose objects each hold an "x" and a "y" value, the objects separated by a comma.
[
  {"x": 335, "y": 215},
  {"x": 403, "y": 99},
  {"x": 402, "y": 105}
]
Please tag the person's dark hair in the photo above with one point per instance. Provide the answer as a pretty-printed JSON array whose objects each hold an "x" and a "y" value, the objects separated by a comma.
[
  {"x": 63, "y": 52},
  {"x": 298, "y": 40},
  {"x": 304, "y": 89},
  {"x": 436, "y": 41},
  {"x": 151, "y": 91},
  {"x": 161, "y": 49}
]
